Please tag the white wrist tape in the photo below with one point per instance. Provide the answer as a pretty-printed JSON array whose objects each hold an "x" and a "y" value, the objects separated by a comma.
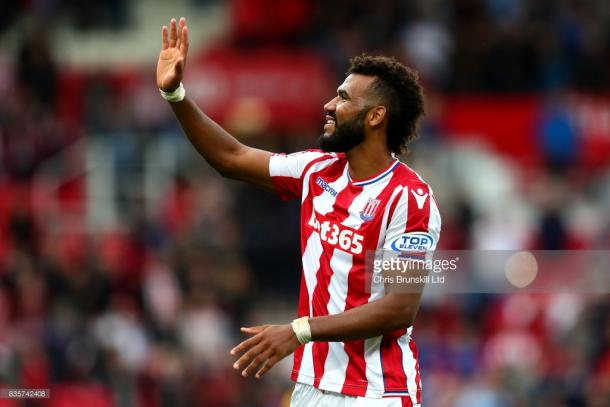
[
  {"x": 174, "y": 96},
  {"x": 302, "y": 330}
]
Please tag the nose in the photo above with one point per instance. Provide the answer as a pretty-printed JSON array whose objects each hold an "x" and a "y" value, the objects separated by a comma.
[{"x": 331, "y": 105}]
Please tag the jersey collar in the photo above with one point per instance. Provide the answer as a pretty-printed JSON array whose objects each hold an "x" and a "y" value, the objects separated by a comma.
[{"x": 374, "y": 178}]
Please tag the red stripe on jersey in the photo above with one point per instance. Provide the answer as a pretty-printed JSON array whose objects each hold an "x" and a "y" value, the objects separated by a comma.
[
  {"x": 418, "y": 215},
  {"x": 321, "y": 295},
  {"x": 406, "y": 402},
  {"x": 355, "y": 374},
  {"x": 331, "y": 174},
  {"x": 414, "y": 351},
  {"x": 394, "y": 377}
]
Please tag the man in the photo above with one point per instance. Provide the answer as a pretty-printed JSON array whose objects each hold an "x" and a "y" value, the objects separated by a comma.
[{"x": 352, "y": 344}]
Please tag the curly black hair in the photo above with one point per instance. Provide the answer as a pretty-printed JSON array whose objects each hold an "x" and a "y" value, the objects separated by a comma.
[{"x": 399, "y": 91}]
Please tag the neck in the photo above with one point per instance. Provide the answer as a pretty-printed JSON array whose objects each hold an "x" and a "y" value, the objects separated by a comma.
[{"x": 366, "y": 160}]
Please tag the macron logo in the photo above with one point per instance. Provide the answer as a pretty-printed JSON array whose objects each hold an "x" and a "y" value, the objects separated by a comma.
[
  {"x": 420, "y": 197},
  {"x": 325, "y": 186}
]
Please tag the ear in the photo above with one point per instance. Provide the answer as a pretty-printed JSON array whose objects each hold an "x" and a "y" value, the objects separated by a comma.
[{"x": 376, "y": 115}]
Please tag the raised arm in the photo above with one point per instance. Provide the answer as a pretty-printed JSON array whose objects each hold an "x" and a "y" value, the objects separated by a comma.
[{"x": 222, "y": 151}]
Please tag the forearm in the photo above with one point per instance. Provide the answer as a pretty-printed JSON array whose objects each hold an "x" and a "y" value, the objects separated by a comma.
[
  {"x": 369, "y": 320},
  {"x": 214, "y": 144}
]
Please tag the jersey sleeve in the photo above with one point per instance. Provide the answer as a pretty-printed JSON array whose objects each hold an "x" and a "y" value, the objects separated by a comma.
[
  {"x": 415, "y": 223},
  {"x": 287, "y": 171}
]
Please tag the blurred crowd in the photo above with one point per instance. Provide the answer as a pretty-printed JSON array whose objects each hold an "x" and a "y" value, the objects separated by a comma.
[
  {"x": 142, "y": 309},
  {"x": 456, "y": 45}
]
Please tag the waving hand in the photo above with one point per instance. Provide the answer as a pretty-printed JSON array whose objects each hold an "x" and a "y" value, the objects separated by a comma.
[{"x": 172, "y": 59}]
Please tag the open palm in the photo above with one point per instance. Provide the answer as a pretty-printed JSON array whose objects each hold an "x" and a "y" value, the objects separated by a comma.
[{"x": 172, "y": 59}]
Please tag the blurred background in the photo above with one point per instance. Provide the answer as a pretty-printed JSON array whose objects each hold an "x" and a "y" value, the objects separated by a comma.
[{"x": 127, "y": 265}]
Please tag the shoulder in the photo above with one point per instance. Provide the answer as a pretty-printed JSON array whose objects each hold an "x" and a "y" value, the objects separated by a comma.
[{"x": 410, "y": 179}]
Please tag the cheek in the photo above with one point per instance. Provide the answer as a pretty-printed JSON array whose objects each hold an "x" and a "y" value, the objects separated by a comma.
[{"x": 342, "y": 112}]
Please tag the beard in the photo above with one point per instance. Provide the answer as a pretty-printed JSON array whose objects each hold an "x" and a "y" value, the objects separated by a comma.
[{"x": 345, "y": 136}]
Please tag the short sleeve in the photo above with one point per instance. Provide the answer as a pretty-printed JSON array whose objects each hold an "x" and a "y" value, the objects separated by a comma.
[
  {"x": 415, "y": 224},
  {"x": 287, "y": 171}
]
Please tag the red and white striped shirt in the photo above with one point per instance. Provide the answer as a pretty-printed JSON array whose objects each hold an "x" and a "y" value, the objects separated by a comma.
[{"x": 341, "y": 220}]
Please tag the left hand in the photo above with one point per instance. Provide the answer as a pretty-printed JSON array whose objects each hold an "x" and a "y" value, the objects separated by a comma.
[
  {"x": 269, "y": 345},
  {"x": 172, "y": 58}
]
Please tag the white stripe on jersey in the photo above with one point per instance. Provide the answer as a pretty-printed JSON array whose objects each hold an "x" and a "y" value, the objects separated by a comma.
[
  {"x": 306, "y": 364},
  {"x": 409, "y": 365},
  {"x": 434, "y": 222},
  {"x": 338, "y": 285},
  {"x": 311, "y": 264},
  {"x": 374, "y": 371}
]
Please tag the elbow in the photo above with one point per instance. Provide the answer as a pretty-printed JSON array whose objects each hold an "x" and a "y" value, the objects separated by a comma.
[
  {"x": 403, "y": 321},
  {"x": 225, "y": 168},
  {"x": 225, "y": 171},
  {"x": 228, "y": 165},
  {"x": 401, "y": 310},
  {"x": 403, "y": 317}
]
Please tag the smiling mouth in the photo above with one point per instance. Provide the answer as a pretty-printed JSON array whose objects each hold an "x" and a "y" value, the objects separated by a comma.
[{"x": 330, "y": 124}]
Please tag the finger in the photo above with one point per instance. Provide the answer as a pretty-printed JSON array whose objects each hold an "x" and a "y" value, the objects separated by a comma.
[
  {"x": 179, "y": 36},
  {"x": 164, "y": 41},
  {"x": 245, "y": 345},
  {"x": 247, "y": 357},
  {"x": 269, "y": 363},
  {"x": 184, "y": 42},
  {"x": 257, "y": 361},
  {"x": 253, "y": 330},
  {"x": 172, "y": 33}
]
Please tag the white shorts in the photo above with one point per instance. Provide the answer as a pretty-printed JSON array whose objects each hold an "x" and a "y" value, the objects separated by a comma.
[{"x": 305, "y": 395}]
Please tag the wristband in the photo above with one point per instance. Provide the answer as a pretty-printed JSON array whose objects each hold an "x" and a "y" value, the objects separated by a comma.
[
  {"x": 174, "y": 96},
  {"x": 302, "y": 330}
]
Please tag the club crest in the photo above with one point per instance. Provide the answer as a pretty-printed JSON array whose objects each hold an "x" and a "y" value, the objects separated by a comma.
[{"x": 368, "y": 213}]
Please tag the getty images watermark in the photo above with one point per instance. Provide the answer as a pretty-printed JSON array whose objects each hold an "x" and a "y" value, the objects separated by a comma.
[
  {"x": 25, "y": 393},
  {"x": 397, "y": 269},
  {"x": 488, "y": 271}
]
